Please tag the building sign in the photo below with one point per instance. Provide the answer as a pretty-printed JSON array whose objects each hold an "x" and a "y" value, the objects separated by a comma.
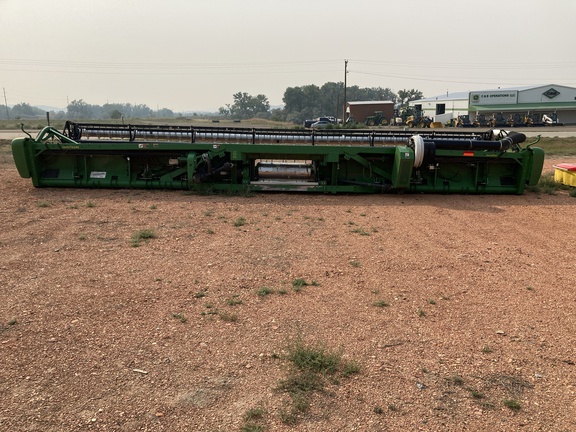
[
  {"x": 551, "y": 93},
  {"x": 496, "y": 97}
]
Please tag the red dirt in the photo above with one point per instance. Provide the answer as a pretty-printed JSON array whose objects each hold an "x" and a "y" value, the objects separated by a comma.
[{"x": 96, "y": 334}]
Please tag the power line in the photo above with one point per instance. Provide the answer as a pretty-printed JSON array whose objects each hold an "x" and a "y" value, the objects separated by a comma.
[
  {"x": 473, "y": 65},
  {"x": 489, "y": 81},
  {"x": 160, "y": 65}
]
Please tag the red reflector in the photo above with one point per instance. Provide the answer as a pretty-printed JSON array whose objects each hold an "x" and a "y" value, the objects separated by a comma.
[{"x": 468, "y": 154}]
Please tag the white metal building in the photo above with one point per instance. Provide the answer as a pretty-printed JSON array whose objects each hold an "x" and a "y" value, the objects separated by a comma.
[
  {"x": 552, "y": 100},
  {"x": 443, "y": 108}
]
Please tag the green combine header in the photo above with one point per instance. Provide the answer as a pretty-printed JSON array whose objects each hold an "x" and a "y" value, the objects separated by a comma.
[{"x": 89, "y": 155}]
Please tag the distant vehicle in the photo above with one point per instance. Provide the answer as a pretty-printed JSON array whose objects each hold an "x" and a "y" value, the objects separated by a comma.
[
  {"x": 308, "y": 123},
  {"x": 322, "y": 124},
  {"x": 376, "y": 119}
]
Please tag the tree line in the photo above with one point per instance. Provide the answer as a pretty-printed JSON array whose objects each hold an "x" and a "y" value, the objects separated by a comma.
[
  {"x": 310, "y": 101},
  {"x": 300, "y": 103},
  {"x": 79, "y": 109}
]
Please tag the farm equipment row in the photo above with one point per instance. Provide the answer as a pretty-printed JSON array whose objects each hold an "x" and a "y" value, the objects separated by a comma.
[
  {"x": 498, "y": 120},
  {"x": 243, "y": 159}
]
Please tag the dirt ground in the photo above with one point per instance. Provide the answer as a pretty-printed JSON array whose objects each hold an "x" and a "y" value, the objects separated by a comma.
[{"x": 458, "y": 310}]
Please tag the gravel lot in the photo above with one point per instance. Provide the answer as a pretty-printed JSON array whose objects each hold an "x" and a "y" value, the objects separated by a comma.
[{"x": 458, "y": 310}]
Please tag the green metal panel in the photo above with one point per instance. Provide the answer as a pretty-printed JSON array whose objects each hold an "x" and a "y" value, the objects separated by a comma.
[
  {"x": 403, "y": 163},
  {"x": 535, "y": 166},
  {"x": 20, "y": 156}
]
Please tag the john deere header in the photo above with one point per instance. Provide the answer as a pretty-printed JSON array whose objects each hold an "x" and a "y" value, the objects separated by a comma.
[{"x": 242, "y": 159}]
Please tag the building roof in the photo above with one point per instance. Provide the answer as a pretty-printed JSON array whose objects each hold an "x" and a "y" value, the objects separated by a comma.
[
  {"x": 520, "y": 88},
  {"x": 465, "y": 95},
  {"x": 369, "y": 102},
  {"x": 445, "y": 97}
]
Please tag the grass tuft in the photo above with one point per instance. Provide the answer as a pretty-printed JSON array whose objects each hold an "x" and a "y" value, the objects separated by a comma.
[
  {"x": 252, "y": 427},
  {"x": 549, "y": 186},
  {"x": 312, "y": 367},
  {"x": 476, "y": 394},
  {"x": 228, "y": 317},
  {"x": 264, "y": 291},
  {"x": 315, "y": 358},
  {"x": 240, "y": 222},
  {"x": 179, "y": 316},
  {"x": 233, "y": 301},
  {"x": 138, "y": 236},
  {"x": 298, "y": 284},
  {"x": 381, "y": 303},
  {"x": 512, "y": 404},
  {"x": 254, "y": 414},
  {"x": 360, "y": 231}
]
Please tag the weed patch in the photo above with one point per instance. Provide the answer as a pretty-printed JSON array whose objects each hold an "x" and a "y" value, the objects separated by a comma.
[
  {"x": 512, "y": 404},
  {"x": 233, "y": 301},
  {"x": 240, "y": 222},
  {"x": 228, "y": 317},
  {"x": 312, "y": 367},
  {"x": 179, "y": 316},
  {"x": 138, "y": 236},
  {"x": 298, "y": 284},
  {"x": 253, "y": 420},
  {"x": 264, "y": 291},
  {"x": 381, "y": 303},
  {"x": 547, "y": 185},
  {"x": 360, "y": 231}
]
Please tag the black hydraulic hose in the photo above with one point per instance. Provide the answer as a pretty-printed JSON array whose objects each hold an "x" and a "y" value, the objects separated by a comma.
[{"x": 504, "y": 144}]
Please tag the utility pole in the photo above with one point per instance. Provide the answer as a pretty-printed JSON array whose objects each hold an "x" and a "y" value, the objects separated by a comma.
[
  {"x": 6, "y": 105},
  {"x": 344, "y": 106}
]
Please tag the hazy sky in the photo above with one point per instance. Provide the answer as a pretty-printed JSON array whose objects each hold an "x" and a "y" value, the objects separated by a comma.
[{"x": 195, "y": 54}]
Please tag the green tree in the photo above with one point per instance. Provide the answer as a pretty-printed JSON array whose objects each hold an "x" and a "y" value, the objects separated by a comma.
[
  {"x": 115, "y": 115},
  {"x": 332, "y": 96},
  {"x": 310, "y": 101},
  {"x": 405, "y": 96},
  {"x": 303, "y": 102},
  {"x": 293, "y": 99},
  {"x": 25, "y": 110},
  {"x": 164, "y": 113},
  {"x": 111, "y": 110},
  {"x": 142, "y": 110},
  {"x": 246, "y": 106},
  {"x": 78, "y": 109},
  {"x": 4, "y": 112},
  {"x": 355, "y": 93}
]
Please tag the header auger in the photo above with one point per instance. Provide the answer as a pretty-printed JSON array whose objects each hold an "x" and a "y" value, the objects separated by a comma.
[{"x": 240, "y": 159}]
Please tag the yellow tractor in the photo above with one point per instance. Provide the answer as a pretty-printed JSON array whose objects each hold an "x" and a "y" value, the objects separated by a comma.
[{"x": 421, "y": 122}]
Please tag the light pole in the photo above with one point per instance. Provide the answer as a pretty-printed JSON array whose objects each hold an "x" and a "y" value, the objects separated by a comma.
[
  {"x": 344, "y": 106},
  {"x": 6, "y": 104}
]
